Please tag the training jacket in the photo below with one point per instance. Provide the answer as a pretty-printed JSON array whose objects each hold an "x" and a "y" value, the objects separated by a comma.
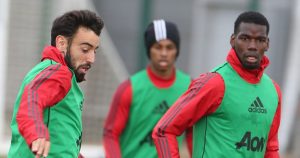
[
  {"x": 48, "y": 105},
  {"x": 136, "y": 107},
  {"x": 204, "y": 97}
]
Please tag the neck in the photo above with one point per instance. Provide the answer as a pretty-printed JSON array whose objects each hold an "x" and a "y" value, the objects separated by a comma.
[
  {"x": 161, "y": 81},
  {"x": 166, "y": 74}
]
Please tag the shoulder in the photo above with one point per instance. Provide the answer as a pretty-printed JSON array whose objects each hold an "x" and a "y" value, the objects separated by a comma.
[
  {"x": 125, "y": 84},
  {"x": 60, "y": 71},
  {"x": 210, "y": 79},
  {"x": 123, "y": 88},
  {"x": 57, "y": 73},
  {"x": 139, "y": 76}
]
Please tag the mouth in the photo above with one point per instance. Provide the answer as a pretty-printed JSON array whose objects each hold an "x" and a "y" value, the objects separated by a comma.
[
  {"x": 163, "y": 63},
  {"x": 84, "y": 68},
  {"x": 251, "y": 59}
]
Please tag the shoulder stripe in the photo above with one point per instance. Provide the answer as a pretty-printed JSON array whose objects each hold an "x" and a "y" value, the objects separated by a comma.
[
  {"x": 32, "y": 97},
  {"x": 194, "y": 91},
  {"x": 111, "y": 120},
  {"x": 116, "y": 102},
  {"x": 196, "y": 87}
]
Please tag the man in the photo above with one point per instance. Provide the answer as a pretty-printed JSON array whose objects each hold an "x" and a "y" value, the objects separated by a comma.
[
  {"x": 140, "y": 101},
  {"x": 235, "y": 109},
  {"x": 47, "y": 114}
]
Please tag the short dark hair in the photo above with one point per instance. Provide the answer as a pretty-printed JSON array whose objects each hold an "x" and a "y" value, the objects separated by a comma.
[
  {"x": 67, "y": 24},
  {"x": 251, "y": 17}
]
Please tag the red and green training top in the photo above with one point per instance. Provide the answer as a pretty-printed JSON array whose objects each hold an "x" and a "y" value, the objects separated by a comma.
[
  {"x": 48, "y": 105},
  {"x": 235, "y": 112},
  {"x": 137, "y": 106}
]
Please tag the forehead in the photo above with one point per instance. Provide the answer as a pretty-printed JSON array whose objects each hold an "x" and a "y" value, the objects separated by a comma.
[
  {"x": 165, "y": 42},
  {"x": 85, "y": 35},
  {"x": 251, "y": 28}
]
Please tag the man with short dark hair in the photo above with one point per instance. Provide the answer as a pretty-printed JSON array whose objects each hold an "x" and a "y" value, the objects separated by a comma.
[
  {"x": 47, "y": 114},
  {"x": 235, "y": 108}
]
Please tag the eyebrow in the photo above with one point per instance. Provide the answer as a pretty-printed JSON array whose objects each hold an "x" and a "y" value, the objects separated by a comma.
[
  {"x": 247, "y": 35},
  {"x": 86, "y": 43}
]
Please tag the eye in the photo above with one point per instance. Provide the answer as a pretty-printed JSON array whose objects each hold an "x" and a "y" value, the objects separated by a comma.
[
  {"x": 85, "y": 50},
  {"x": 262, "y": 40},
  {"x": 156, "y": 46},
  {"x": 244, "y": 38},
  {"x": 171, "y": 47}
]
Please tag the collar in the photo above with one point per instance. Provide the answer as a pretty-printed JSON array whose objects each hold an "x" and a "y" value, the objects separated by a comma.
[
  {"x": 159, "y": 81},
  {"x": 53, "y": 53},
  {"x": 252, "y": 76}
]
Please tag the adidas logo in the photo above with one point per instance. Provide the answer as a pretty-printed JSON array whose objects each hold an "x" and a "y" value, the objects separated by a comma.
[
  {"x": 161, "y": 108},
  {"x": 257, "y": 106}
]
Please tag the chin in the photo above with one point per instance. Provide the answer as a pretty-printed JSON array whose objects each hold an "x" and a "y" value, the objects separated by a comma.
[
  {"x": 251, "y": 66},
  {"x": 80, "y": 77}
]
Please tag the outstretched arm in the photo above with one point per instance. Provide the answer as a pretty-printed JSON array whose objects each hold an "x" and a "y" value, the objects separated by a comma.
[
  {"x": 202, "y": 98},
  {"x": 116, "y": 120},
  {"x": 45, "y": 90}
]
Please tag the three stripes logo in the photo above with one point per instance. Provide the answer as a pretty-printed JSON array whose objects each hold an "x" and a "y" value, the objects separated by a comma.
[
  {"x": 161, "y": 108},
  {"x": 257, "y": 106}
]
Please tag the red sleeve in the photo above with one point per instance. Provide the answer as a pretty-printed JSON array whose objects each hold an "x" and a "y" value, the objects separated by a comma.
[
  {"x": 272, "y": 145},
  {"x": 45, "y": 90},
  {"x": 189, "y": 140},
  {"x": 202, "y": 98},
  {"x": 117, "y": 119}
]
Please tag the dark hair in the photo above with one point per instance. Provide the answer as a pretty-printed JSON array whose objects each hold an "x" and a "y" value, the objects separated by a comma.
[
  {"x": 251, "y": 17},
  {"x": 67, "y": 24}
]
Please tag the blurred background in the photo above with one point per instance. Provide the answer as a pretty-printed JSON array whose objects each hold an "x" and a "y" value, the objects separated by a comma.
[{"x": 205, "y": 27}]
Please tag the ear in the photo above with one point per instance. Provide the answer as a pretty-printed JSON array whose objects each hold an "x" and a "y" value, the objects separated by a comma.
[
  {"x": 232, "y": 39},
  {"x": 267, "y": 47},
  {"x": 61, "y": 43}
]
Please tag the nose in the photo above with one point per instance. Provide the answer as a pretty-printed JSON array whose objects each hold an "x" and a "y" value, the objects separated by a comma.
[
  {"x": 252, "y": 45},
  {"x": 164, "y": 52},
  {"x": 91, "y": 57}
]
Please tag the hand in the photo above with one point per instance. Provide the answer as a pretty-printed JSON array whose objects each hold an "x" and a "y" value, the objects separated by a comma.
[
  {"x": 40, "y": 147},
  {"x": 80, "y": 156}
]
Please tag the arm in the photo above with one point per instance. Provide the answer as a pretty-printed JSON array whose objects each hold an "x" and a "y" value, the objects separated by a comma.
[
  {"x": 202, "y": 98},
  {"x": 272, "y": 144},
  {"x": 116, "y": 120},
  {"x": 189, "y": 140},
  {"x": 45, "y": 90}
]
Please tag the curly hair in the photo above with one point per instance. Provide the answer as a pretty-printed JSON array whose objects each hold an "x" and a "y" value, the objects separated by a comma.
[{"x": 67, "y": 24}]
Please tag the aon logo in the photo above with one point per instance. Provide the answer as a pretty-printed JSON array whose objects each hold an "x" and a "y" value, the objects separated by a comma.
[{"x": 251, "y": 143}]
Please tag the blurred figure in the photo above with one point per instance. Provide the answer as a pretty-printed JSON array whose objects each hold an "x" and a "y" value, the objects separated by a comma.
[
  {"x": 47, "y": 114},
  {"x": 141, "y": 101},
  {"x": 235, "y": 109}
]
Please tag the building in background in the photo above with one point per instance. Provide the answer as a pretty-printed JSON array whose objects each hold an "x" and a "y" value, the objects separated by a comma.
[{"x": 205, "y": 27}]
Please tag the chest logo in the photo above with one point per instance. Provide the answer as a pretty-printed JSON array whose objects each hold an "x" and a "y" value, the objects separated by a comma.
[
  {"x": 253, "y": 143},
  {"x": 257, "y": 106},
  {"x": 161, "y": 108}
]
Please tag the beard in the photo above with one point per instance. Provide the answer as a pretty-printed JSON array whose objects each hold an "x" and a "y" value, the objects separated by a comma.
[
  {"x": 79, "y": 76},
  {"x": 250, "y": 66},
  {"x": 247, "y": 64}
]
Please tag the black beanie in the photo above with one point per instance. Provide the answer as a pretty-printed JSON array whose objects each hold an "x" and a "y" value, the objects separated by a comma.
[{"x": 159, "y": 30}]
